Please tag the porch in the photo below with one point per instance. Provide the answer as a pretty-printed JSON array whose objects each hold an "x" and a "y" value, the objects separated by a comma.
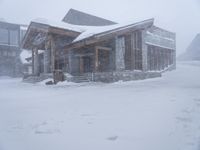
[{"x": 90, "y": 59}]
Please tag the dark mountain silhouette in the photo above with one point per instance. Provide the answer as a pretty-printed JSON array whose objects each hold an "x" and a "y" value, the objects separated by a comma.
[{"x": 193, "y": 51}]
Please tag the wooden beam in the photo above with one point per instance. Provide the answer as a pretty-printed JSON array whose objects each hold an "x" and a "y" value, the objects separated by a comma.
[
  {"x": 65, "y": 32},
  {"x": 103, "y": 48},
  {"x": 83, "y": 55}
]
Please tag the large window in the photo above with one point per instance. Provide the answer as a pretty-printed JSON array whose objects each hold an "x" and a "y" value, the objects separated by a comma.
[
  {"x": 22, "y": 34},
  {"x": 137, "y": 37},
  {"x": 14, "y": 37},
  {"x": 3, "y": 36}
]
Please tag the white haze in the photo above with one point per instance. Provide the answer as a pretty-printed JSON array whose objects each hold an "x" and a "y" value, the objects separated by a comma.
[{"x": 180, "y": 16}]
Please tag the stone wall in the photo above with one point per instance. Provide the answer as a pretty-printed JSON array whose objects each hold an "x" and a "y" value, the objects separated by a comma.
[{"x": 121, "y": 76}]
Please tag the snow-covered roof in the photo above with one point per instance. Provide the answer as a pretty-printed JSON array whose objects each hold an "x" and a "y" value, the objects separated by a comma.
[
  {"x": 88, "y": 31},
  {"x": 91, "y": 30},
  {"x": 23, "y": 27},
  {"x": 59, "y": 24}
]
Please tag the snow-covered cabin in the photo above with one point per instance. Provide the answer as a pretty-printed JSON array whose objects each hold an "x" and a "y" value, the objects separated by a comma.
[{"x": 137, "y": 50}]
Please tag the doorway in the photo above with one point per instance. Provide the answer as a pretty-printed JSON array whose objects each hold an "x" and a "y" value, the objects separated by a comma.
[
  {"x": 85, "y": 64},
  {"x": 102, "y": 59}
]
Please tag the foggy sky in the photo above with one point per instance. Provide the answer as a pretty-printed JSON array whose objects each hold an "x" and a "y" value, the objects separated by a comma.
[{"x": 180, "y": 16}]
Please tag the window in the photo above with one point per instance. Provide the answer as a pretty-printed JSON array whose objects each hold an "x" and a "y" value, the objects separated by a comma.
[
  {"x": 14, "y": 37},
  {"x": 5, "y": 53},
  {"x": 11, "y": 54},
  {"x": 137, "y": 37},
  {"x": 3, "y": 36},
  {"x": 22, "y": 34}
]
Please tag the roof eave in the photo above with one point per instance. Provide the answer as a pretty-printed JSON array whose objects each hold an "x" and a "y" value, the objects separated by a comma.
[{"x": 46, "y": 29}]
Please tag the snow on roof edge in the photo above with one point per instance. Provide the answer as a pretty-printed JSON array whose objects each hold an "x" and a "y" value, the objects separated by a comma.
[
  {"x": 100, "y": 30},
  {"x": 60, "y": 24}
]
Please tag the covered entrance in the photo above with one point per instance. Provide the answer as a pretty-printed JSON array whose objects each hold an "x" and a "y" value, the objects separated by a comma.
[
  {"x": 85, "y": 64},
  {"x": 102, "y": 59}
]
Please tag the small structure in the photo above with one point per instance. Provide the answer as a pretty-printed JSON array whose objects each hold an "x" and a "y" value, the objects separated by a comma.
[
  {"x": 104, "y": 53},
  {"x": 10, "y": 38}
]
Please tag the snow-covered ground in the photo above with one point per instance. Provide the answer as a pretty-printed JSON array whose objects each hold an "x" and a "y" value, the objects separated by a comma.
[{"x": 155, "y": 114}]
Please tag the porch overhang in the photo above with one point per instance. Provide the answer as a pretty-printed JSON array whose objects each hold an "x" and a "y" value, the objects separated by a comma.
[{"x": 37, "y": 34}]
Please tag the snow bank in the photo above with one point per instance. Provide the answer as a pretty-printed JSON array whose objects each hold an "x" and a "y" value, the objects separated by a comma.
[
  {"x": 25, "y": 54},
  {"x": 155, "y": 114}
]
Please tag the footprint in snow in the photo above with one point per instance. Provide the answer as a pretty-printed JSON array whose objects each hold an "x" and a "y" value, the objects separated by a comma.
[
  {"x": 173, "y": 100},
  {"x": 184, "y": 119},
  {"x": 197, "y": 99},
  {"x": 47, "y": 131},
  {"x": 112, "y": 138},
  {"x": 186, "y": 111},
  {"x": 39, "y": 125}
]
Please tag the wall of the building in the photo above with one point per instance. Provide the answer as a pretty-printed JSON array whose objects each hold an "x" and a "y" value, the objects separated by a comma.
[
  {"x": 125, "y": 54},
  {"x": 161, "y": 49},
  {"x": 8, "y": 60},
  {"x": 10, "y": 64},
  {"x": 133, "y": 51},
  {"x": 144, "y": 50}
]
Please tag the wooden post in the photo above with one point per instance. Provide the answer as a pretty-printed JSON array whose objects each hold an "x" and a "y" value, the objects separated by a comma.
[
  {"x": 33, "y": 61},
  {"x": 174, "y": 54},
  {"x": 120, "y": 53},
  {"x": 96, "y": 61},
  {"x": 160, "y": 59},
  {"x": 36, "y": 62},
  {"x": 47, "y": 57},
  {"x": 163, "y": 57},
  {"x": 132, "y": 51},
  {"x": 157, "y": 59},
  {"x": 53, "y": 53},
  {"x": 154, "y": 59},
  {"x": 70, "y": 64},
  {"x": 81, "y": 65},
  {"x": 144, "y": 52}
]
